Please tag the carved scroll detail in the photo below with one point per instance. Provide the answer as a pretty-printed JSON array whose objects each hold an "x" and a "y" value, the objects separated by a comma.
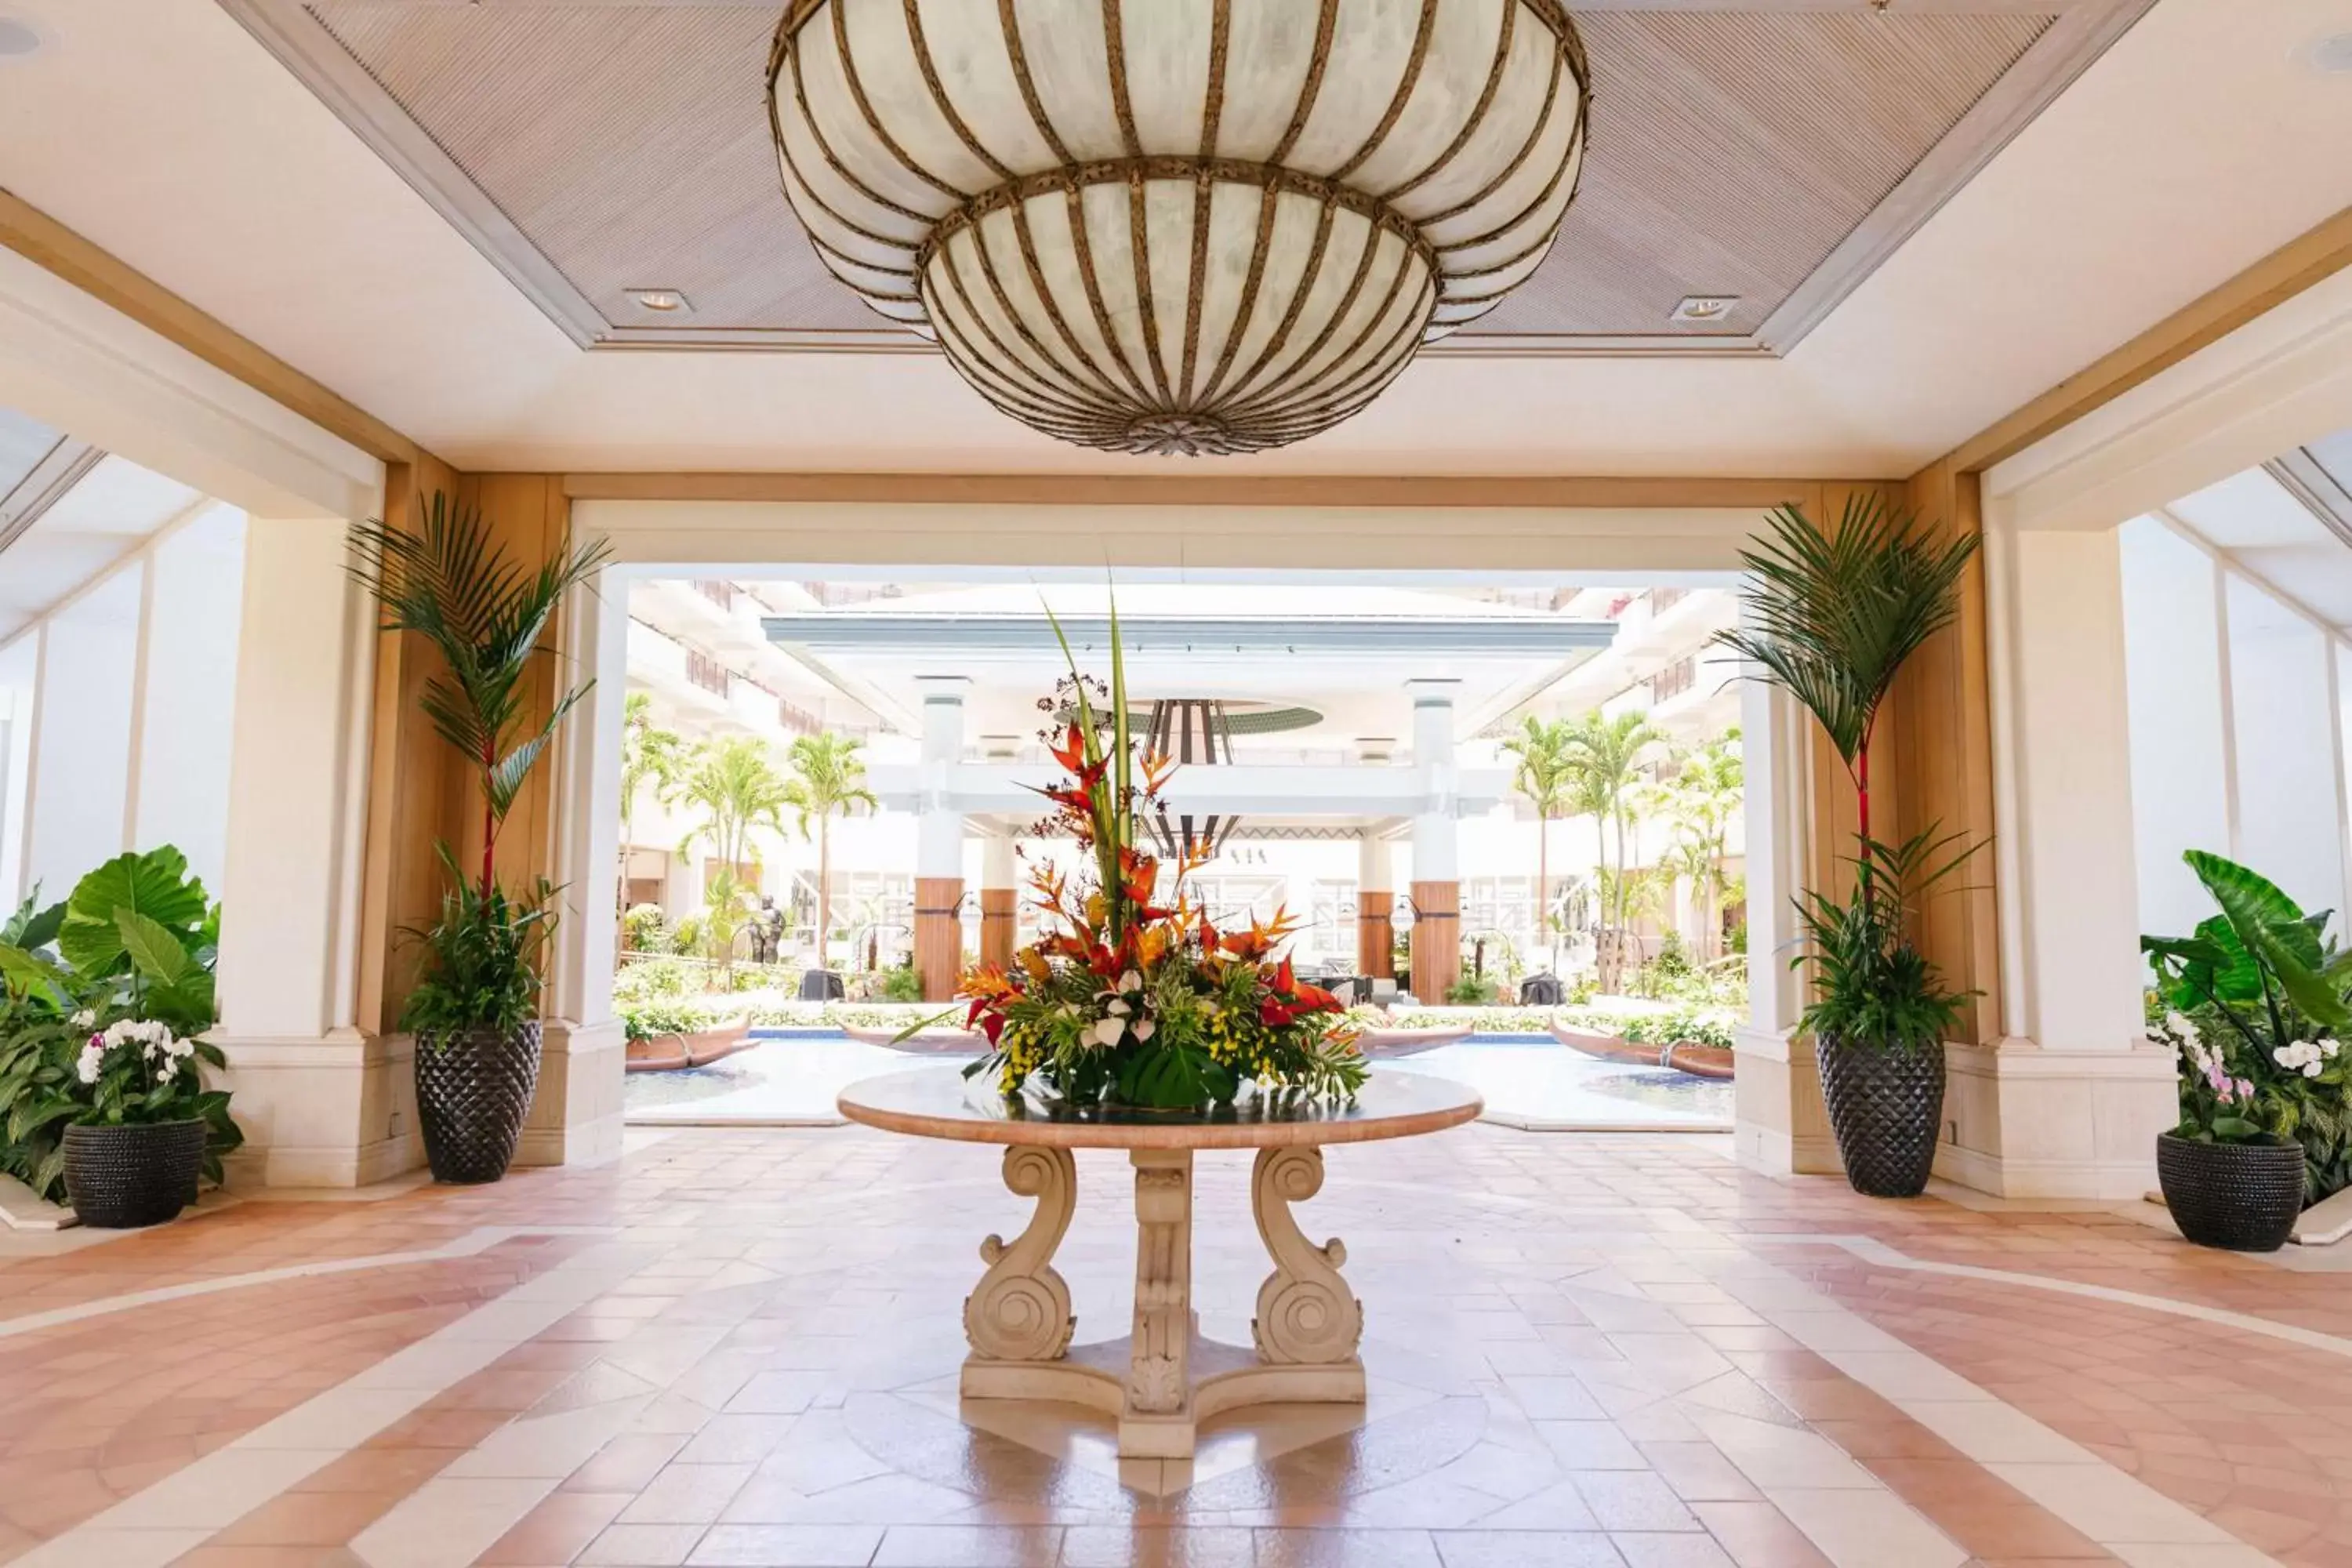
[
  {"x": 1159, "y": 1379},
  {"x": 1020, "y": 1311},
  {"x": 1306, "y": 1313}
]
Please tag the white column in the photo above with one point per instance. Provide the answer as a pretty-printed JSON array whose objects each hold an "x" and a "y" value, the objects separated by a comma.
[
  {"x": 2070, "y": 1102},
  {"x": 1436, "y": 856},
  {"x": 82, "y": 765},
  {"x": 1374, "y": 864},
  {"x": 999, "y": 868},
  {"x": 318, "y": 1099},
  {"x": 939, "y": 834},
  {"x": 1778, "y": 1124},
  {"x": 2176, "y": 666},
  {"x": 575, "y": 1117}
]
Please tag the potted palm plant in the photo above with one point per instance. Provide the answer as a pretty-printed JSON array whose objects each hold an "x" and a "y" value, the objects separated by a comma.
[
  {"x": 2254, "y": 1005},
  {"x": 474, "y": 1011},
  {"x": 1831, "y": 617}
]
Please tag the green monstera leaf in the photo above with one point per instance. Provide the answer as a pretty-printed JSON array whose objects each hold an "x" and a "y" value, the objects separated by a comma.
[
  {"x": 155, "y": 885},
  {"x": 2272, "y": 929}
]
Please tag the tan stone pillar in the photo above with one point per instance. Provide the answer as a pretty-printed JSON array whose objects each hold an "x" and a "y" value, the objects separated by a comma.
[{"x": 1437, "y": 944}]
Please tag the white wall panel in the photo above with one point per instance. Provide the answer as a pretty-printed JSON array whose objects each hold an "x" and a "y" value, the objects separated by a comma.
[
  {"x": 191, "y": 695},
  {"x": 2179, "y": 719},
  {"x": 82, "y": 767},
  {"x": 2290, "y": 824}
]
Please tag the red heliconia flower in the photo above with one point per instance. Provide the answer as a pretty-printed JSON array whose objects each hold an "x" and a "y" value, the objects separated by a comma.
[
  {"x": 1285, "y": 981},
  {"x": 1072, "y": 752},
  {"x": 1315, "y": 999}
]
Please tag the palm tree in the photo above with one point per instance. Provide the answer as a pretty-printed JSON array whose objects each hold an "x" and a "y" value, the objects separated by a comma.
[
  {"x": 1606, "y": 757},
  {"x": 649, "y": 755},
  {"x": 734, "y": 783},
  {"x": 827, "y": 779},
  {"x": 451, "y": 582},
  {"x": 1706, "y": 792},
  {"x": 1830, "y": 616},
  {"x": 1544, "y": 775}
]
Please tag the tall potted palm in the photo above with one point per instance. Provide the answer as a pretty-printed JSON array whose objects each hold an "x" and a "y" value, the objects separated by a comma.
[
  {"x": 1831, "y": 617},
  {"x": 827, "y": 778},
  {"x": 474, "y": 1011}
]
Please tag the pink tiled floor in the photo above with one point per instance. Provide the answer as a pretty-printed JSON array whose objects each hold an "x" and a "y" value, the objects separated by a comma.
[{"x": 1566, "y": 1366}]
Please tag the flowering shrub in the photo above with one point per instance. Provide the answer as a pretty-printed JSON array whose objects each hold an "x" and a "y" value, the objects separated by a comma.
[
  {"x": 1127, "y": 1000},
  {"x": 103, "y": 999},
  {"x": 2254, "y": 1004}
]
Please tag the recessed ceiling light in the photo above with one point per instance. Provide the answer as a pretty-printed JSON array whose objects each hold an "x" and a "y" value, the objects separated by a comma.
[
  {"x": 19, "y": 38},
  {"x": 667, "y": 300},
  {"x": 1702, "y": 309},
  {"x": 2331, "y": 54}
]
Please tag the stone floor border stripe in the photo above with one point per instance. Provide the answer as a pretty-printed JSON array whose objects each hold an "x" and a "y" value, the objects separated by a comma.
[{"x": 472, "y": 1243}]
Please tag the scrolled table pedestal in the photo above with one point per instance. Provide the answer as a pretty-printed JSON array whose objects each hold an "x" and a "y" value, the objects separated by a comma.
[{"x": 1164, "y": 1378}]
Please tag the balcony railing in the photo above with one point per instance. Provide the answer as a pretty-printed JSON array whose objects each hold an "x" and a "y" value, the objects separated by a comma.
[
  {"x": 706, "y": 672},
  {"x": 719, "y": 590}
]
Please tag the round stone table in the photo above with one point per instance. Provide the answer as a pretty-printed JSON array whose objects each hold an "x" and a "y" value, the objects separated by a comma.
[{"x": 1163, "y": 1379}]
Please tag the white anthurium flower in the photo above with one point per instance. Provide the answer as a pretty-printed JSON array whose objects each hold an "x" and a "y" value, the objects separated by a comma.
[
  {"x": 1115, "y": 1008},
  {"x": 1106, "y": 1031},
  {"x": 1143, "y": 1031},
  {"x": 1130, "y": 981}
]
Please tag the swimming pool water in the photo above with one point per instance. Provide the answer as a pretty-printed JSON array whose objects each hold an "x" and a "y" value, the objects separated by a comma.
[{"x": 793, "y": 1076}]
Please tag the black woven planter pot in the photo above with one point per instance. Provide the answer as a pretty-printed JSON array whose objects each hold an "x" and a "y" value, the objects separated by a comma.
[
  {"x": 120, "y": 1178},
  {"x": 1887, "y": 1107},
  {"x": 2243, "y": 1197},
  {"x": 473, "y": 1090}
]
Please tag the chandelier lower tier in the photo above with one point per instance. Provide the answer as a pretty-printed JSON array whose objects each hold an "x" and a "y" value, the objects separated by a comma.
[{"x": 1180, "y": 226}]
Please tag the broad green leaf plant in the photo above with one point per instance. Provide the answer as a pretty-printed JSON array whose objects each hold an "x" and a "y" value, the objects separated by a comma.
[
  {"x": 2254, "y": 1002},
  {"x": 104, "y": 999}
]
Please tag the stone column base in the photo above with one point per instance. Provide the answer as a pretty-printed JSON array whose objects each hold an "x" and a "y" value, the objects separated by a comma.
[
  {"x": 575, "y": 1117},
  {"x": 939, "y": 935},
  {"x": 2023, "y": 1123},
  {"x": 1376, "y": 935},
  {"x": 1779, "y": 1126},
  {"x": 1434, "y": 951},
  {"x": 999, "y": 920},
  {"x": 335, "y": 1110}
]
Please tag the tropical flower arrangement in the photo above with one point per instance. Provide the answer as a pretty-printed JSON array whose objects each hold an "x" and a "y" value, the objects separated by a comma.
[
  {"x": 2254, "y": 1004},
  {"x": 1129, "y": 1001}
]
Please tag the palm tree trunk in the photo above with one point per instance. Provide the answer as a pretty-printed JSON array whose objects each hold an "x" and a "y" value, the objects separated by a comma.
[
  {"x": 823, "y": 886},
  {"x": 1543, "y": 880}
]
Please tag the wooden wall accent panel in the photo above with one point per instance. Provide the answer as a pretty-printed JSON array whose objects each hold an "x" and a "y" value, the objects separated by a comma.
[
  {"x": 1435, "y": 948},
  {"x": 1942, "y": 764},
  {"x": 420, "y": 794}
]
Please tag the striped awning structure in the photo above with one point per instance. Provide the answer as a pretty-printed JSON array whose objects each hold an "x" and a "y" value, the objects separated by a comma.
[
  {"x": 1190, "y": 731},
  {"x": 1186, "y": 225}
]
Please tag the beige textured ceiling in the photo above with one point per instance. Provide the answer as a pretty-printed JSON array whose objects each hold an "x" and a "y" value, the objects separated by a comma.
[{"x": 1734, "y": 152}]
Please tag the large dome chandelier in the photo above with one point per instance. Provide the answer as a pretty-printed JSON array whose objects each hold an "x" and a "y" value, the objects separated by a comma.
[{"x": 1180, "y": 226}]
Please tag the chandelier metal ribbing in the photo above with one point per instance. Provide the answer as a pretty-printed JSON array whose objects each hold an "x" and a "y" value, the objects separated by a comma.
[{"x": 1180, "y": 226}]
